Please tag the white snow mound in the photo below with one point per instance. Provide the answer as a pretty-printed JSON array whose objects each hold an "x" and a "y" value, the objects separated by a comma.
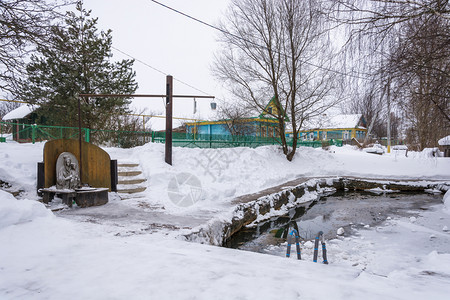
[
  {"x": 14, "y": 211},
  {"x": 446, "y": 201},
  {"x": 444, "y": 141}
]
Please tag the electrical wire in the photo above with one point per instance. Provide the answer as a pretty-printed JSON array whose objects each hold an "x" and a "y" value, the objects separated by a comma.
[
  {"x": 159, "y": 71},
  {"x": 253, "y": 43}
]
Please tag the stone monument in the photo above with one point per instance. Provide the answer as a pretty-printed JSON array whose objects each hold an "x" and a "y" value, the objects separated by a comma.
[
  {"x": 84, "y": 179},
  {"x": 67, "y": 172}
]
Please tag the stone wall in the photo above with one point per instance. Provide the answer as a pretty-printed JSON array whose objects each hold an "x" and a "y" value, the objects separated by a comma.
[{"x": 218, "y": 231}]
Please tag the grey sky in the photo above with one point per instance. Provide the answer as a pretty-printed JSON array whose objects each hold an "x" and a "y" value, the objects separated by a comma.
[{"x": 165, "y": 40}]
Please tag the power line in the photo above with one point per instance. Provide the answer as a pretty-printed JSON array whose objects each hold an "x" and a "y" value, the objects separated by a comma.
[
  {"x": 253, "y": 43},
  {"x": 159, "y": 71}
]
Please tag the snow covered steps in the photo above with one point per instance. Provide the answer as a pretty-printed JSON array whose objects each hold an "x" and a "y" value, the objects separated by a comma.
[{"x": 130, "y": 179}]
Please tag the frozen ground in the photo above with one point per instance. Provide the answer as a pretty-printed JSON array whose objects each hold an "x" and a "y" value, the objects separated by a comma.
[{"x": 79, "y": 256}]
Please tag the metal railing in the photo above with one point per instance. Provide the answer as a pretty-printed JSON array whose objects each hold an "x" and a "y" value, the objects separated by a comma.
[{"x": 32, "y": 133}]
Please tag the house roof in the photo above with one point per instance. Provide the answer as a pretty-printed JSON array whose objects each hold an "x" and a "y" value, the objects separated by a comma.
[
  {"x": 184, "y": 110},
  {"x": 445, "y": 141},
  {"x": 273, "y": 104},
  {"x": 20, "y": 112},
  {"x": 334, "y": 122}
]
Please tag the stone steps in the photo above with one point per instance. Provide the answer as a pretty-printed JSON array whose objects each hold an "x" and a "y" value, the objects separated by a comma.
[
  {"x": 132, "y": 191},
  {"x": 128, "y": 165},
  {"x": 130, "y": 180},
  {"x": 129, "y": 173}
]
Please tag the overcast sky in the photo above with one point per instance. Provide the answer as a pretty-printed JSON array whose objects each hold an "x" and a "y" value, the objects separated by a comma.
[{"x": 164, "y": 40}]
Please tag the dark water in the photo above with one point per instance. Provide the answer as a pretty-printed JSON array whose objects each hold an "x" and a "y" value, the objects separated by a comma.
[{"x": 348, "y": 210}]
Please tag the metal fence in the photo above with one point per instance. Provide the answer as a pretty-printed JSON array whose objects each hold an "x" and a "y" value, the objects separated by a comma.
[
  {"x": 213, "y": 141},
  {"x": 31, "y": 133},
  {"x": 126, "y": 139}
]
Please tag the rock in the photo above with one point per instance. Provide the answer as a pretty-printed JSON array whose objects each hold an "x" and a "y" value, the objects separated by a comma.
[
  {"x": 412, "y": 219},
  {"x": 432, "y": 236},
  {"x": 445, "y": 228},
  {"x": 340, "y": 231},
  {"x": 366, "y": 226}
]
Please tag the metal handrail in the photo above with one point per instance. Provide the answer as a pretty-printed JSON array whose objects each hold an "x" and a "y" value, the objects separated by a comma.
[{"x": 324, "y": 248}]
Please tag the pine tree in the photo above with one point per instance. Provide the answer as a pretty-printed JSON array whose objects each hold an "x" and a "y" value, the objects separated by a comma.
[{"x": 78, "y": 62}]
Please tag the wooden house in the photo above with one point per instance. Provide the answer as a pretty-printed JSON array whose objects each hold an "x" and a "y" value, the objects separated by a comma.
[
  {"x": 262, "y": 125},
  {"x": 21, "y": 119},
  {"x": 339, "y": 127}
]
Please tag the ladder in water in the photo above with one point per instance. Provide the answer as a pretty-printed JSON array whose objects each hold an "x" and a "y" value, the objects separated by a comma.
[
  {"x": 316, "y": 248},
  {"x": 294, "y": 234}
]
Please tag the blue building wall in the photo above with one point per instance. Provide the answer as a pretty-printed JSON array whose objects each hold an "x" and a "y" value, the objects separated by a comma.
[
  {"x": 260, "y": 129},
  {"x": 219, "y": 129}
]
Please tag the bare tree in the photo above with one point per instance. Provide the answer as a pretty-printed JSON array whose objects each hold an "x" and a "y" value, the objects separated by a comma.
[
  {"x": 6, "y": 107},
  {"x": 280, "y": 49},
  {"x": 421, "y": 69},
  {"x": 236, "y": 120},
  {"x": 24, "y": 24},
  {"x": 408, "y": 42}
]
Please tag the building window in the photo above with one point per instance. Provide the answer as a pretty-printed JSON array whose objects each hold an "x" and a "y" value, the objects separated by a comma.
[{"x": 346, "y": 135}]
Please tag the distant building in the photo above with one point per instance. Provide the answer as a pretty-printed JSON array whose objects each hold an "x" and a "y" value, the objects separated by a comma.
[
  {"x": 261, "y": 125},
  {"x": 338, "y": 127},
  {"x": 21, "y": 117},
  {"x": 23, "y": 114},
  {"x": 444, "y": 144}
]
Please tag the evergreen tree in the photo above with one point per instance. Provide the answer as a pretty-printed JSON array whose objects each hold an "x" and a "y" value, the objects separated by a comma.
[{"x": 78, "y": 62}]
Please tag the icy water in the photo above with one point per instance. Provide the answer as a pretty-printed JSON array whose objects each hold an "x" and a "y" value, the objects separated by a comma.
[{"x": 351, "y": 211}]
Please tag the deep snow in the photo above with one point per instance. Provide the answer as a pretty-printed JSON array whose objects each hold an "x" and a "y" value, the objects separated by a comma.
[{"x": 71, "y": 257}]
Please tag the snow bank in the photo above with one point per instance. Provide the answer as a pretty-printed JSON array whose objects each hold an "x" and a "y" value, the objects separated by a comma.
[
  {"x": 14, "y": 211},
  {"x": 446, "y": 201},
  {"x": 444, "y": 141},
  {"x": 430, "y": 153}
]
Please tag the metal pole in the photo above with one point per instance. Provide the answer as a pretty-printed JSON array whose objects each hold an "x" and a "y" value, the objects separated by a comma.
[
  {"x": 79, "y": 141},
  {"x": 294, "y": 233},
  {"x": 324, "y": 250},
  {"x": 389, "y": 116},
  {"x": 169, "y": 100},
  {"x": 316, "y": 248}
]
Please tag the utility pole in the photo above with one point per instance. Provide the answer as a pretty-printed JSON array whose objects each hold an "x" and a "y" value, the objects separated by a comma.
[
  {"x": 80, "y": 163},
  {"x": 169, "y": 100},
  {"x": 389, "y": 116},
  {"x": 169, "y": 108}
]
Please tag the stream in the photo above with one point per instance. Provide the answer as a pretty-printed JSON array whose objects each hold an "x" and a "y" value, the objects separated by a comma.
[{"x": 349, "y": 210}]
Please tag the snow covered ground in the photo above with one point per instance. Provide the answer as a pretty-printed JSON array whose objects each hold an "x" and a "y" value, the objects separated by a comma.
[{"x": 46, "y": 256}]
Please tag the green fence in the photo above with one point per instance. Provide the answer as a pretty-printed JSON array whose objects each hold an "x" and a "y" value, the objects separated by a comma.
[
  {"x": 180, "y": 139},
  {"x": 316, "y": 144},
  {"x": 126, "y": 139},
  {"x": 228, "y": 141},
  {"x": 26, "y": 133},
  {"x": 32, "y": 133}
]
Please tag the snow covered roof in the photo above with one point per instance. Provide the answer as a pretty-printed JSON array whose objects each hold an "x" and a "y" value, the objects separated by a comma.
[
  {"x": 334, "y": 122},
  {"x": 20, "y": 112},
  {"x": 444, "y": 141},
  {"x": 184, "y": 110}
]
